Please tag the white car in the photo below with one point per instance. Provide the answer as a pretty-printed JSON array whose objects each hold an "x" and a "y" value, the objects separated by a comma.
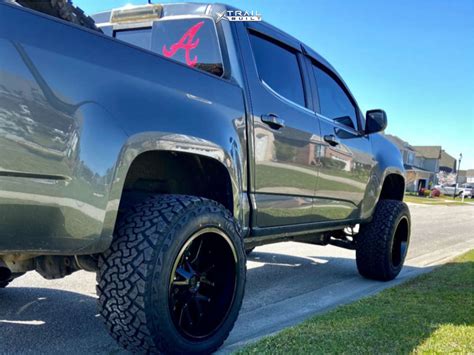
[
  {"x": 468, "y": 190},
  {"x": 451, "y": 189}
]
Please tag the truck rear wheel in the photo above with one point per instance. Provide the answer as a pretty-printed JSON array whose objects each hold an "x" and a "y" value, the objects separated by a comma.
[
  {"x": 174, "y": 277},
  {"x": 63, "y": 9},
  {"x": 382, "y": 244}
]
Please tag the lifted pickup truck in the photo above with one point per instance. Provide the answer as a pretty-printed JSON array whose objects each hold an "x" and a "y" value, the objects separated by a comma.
[{"x": 159, "y": 147}]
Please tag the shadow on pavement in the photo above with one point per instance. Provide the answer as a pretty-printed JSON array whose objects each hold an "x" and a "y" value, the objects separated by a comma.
[{"x": 49, "y": 320}]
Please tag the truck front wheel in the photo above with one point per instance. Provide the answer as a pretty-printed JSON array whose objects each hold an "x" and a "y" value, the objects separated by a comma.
[
  {"x": 382, "y": 244},
  {"x": 174, "y": 277},
  {"x": 4, "y": 284}
]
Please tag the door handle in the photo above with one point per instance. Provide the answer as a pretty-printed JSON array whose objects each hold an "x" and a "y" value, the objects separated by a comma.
[
  {"x": 331, "y": 139},
  {"x": 273, "y": 121}
]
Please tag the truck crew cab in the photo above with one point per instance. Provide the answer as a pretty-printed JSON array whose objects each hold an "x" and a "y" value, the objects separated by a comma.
[{"x": 161, "y": 143}]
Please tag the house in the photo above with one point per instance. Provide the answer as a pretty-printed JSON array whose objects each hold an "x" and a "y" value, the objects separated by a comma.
[
  {"x": 428, "y": 156},
  {"x": 462, "y": 176},
  {"x": 447, "y": 162},
  {"x": 470, "y": 176},
  {"x": 416, "y": 173}
]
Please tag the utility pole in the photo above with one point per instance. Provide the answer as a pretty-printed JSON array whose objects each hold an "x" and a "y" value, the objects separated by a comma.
[{"x": 457, "y": 174}]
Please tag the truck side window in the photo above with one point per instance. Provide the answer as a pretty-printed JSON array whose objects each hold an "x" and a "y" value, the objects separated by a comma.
[
  {"x": 139, "y": 37},
  {"x": 278, "y": 68},
  {"x": 191, "y": 41},
  {"x": 333, "y": 100}
]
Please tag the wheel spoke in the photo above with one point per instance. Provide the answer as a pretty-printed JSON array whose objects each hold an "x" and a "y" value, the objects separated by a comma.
[
  {"x": 181, "y": 283},
  {"x": 185, "y": 315},
  {"x": 212, "y": 266},
  {"x": 199, "y": 309},
  {"x": 190, "y": 267},
  {"x": 207, "y": 282},
  {"x": 201, "y": 298},
  {"x": 197, "y": 253},
  {"x": 182, "y": 272}
]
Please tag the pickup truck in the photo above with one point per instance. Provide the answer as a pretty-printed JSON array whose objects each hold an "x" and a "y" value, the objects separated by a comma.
[
  {"x": 160, "y": 145},
  {"x": 455, "y": 190}
]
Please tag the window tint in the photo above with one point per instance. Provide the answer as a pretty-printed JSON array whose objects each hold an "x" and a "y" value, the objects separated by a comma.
[
  {"x": 333, "y": 100},
  {"x": 278, "y": 67},
  {"x": 192, "y": 41},
  {"x": 138, "y": 37}
]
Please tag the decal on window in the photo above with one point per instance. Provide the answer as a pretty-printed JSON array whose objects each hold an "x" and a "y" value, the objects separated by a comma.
[
  {"x": 187, "y": 46},
  {"x": 191, "y": 41}
]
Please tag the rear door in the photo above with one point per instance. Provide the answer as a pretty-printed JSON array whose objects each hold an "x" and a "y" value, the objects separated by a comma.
[
  {"x": 345, "y": 155},
  {"x": 283, "y": 129}
]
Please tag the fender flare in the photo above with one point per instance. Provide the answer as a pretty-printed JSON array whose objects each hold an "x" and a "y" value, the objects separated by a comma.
[{"x": 169, "y": 142}]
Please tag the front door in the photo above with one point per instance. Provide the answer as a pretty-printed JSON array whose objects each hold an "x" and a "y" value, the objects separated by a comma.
[
  {"x": 284, "y": 129},
  {"x": 345, "y": 156}
]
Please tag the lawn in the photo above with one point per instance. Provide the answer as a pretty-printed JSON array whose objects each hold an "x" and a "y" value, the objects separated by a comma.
[
  {"x": 442, "y": 200},
  {"x": 433, "y": 313}
]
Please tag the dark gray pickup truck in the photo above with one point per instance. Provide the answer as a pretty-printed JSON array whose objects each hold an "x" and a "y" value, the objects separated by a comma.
[{"x": 161, "y": 144}]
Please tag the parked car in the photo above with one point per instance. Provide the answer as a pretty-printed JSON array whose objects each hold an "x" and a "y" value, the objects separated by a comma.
[
  {"x": 453, "y": 189},
  {"x": 468, "y": 190},
  {"x": 161, "y": 147}
]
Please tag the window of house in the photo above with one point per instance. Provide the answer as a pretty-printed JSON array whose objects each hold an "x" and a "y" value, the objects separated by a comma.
[
  {"x": 278, "y": 68},
  {"x": 333, "y": 100}
]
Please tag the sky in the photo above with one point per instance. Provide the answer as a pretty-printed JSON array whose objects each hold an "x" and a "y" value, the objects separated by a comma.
[{"x": 414, "y": 59}]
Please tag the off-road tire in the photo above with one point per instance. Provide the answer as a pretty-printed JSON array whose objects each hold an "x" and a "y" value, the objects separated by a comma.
[
  {"x": 4, "y": 284},
  {"x": 379, "y": 252},
  {"x": 63, "y": 9},
  {"x": 135, "y": 272}
]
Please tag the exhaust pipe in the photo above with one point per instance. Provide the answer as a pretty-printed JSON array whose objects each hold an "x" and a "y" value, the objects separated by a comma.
[{"x": 5, "y": 272}]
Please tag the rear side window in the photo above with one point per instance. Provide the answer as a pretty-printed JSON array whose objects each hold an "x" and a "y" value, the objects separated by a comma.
[
  {"x": 191, "y": 41},
  {"x": 278, "y": 68},
  {"x": 138, "y": 37},
  {"x": 333, "y": 100}
]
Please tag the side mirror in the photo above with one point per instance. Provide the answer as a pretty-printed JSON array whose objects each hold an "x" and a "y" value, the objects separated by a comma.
[{"x": 375, "y": 121}]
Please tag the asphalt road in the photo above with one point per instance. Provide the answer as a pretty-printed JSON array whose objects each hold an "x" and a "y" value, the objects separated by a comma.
[{"x": 287, "y": 282}]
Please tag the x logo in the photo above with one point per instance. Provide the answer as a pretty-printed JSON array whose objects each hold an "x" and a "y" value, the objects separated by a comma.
[{"x": 221, "y": 16}]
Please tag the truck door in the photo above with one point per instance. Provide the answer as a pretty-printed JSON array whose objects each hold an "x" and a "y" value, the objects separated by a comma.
[
  {"x": 283, "y": 130},
  {"x": 345, "y": 154}
]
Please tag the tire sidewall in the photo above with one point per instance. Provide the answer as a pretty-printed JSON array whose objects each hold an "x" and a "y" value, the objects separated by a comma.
[{"x": 375, "y": 242}]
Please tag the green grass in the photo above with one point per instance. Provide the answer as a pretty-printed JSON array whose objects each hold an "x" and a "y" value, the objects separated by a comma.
[
  {"x": 433, "y": 313},
  {"x": 442, "y": 200}
]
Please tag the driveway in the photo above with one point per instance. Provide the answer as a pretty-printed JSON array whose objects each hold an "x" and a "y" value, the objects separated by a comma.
[{"x": 287, "y": 282}]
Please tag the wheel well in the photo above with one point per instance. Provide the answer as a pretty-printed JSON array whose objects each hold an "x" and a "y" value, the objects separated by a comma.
[
  {"x": 393, "y": 188},
  {"x": 161, "y": 172}
]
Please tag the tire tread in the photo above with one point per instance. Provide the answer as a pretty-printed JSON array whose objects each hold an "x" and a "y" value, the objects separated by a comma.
[
  {"x": 374, "y": 239},
  {"x": 128, "y": 265}
]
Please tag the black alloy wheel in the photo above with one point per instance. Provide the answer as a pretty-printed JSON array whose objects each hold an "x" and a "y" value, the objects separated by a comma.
[{"x": 202, "y": 283}]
